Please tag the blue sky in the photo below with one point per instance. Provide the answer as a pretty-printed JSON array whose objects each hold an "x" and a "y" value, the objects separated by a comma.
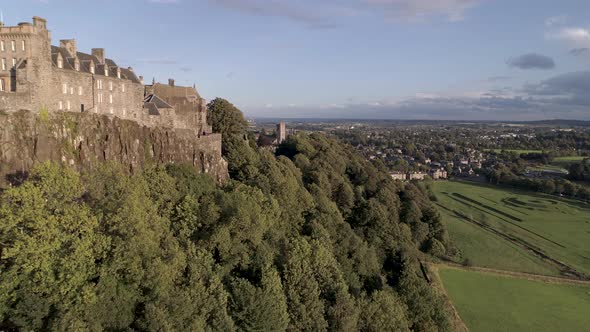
[{"x": 397, "y": 59}]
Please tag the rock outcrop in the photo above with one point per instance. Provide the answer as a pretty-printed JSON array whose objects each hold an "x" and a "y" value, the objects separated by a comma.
[{"x": 82, "y": 140}]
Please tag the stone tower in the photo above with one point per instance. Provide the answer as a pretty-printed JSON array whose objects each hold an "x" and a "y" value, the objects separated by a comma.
[
  {"x": 281, "y": 132},
  {"x": 25, "y": 52}
]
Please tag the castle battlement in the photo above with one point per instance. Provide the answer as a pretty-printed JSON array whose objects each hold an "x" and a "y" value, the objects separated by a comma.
[{"x": 36, "y": 76}]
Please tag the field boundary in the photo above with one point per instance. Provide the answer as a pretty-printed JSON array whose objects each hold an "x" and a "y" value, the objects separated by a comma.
[
  {"x": 436, "y": 282},
  {"x": 507, "y": 273}
]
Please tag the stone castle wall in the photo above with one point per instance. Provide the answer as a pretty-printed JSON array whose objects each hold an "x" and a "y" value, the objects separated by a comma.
[
  {"x": 38, "y": 83},
  {"x": 83, "y": 140}
]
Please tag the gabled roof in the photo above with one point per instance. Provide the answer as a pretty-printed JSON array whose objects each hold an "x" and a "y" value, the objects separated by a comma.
[
  {"x": 151, "y": 108},
  {"x": 154, "y": 99}
]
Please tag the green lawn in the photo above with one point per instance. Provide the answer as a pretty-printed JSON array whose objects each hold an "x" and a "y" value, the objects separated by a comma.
[
  {"x": 565, "y": 162},
  {"x": 489, "y": 302},
  {"x": 559, "y": 227},
  {"x": 488, "y": 250},
  {"x": 555, "y": 168},
  {"x": 570, "y": 158},
  {"x": 515, "y": 151}
]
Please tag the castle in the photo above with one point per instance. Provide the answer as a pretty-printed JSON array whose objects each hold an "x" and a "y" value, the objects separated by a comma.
[{"x": 36, "y": 76}]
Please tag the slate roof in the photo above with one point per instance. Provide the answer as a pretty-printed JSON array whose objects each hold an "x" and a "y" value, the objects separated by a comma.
[
  {"x": 87, "y": 59},
  {"x": 159, "y": 102},
  {"x": 151, "y": 108},
  {"x": 154, "y": 104}
]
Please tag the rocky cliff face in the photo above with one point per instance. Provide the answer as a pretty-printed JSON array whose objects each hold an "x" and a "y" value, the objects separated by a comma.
[{"x": 82, "y": 140}]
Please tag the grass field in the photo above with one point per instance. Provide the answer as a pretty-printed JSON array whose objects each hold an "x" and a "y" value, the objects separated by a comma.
[
  {"x": 569, "y": 159},
  {"x": 515, "y": 151},
  {"x": 488, "y": 302},
  {"x": 564, "y": 162},
  {"x": 511, "y": 222},
  {"x": 554, "y": 168}
]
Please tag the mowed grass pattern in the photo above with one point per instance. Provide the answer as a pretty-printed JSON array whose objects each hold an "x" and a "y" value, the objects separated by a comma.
[
  {"x": 558, "y": 227},
  {"x": 488, "y": 302},
  {"x": 488, "y": 250}
]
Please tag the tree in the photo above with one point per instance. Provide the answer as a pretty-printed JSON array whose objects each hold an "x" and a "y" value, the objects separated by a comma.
[
  {"x": 49, "y": 246},
  {"x": 226, "y": 119},
  {"x": 384, "y": 312}
]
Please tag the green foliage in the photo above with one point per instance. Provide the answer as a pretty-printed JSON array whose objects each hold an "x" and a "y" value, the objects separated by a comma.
[
  {"x": 43, "y": 115},
  {"x": 311, "y": 238},
  {"x": 384, "y": 312}
]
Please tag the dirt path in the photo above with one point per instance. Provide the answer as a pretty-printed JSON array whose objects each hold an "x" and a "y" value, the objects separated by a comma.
[{"x": 520, "y": 275}]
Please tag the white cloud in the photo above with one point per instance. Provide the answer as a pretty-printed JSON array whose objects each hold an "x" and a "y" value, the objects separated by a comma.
[
  {"x": 324, "y": 14},
  {"x": 419, "y": 10},
  {"x": 574, "y": 36},
  {"x": 556, "y": 20}
]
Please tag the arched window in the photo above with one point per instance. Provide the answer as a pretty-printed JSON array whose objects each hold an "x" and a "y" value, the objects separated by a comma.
[
  {"x": 1, "y": 85},
  {"x": 60, "y": 62}
]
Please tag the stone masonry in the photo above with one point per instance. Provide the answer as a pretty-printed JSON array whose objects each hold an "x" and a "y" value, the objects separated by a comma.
[{"x": 39, "y": 77}]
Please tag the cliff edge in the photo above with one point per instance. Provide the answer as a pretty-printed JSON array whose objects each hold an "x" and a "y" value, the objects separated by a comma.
[{"x": 82, "y": 140}]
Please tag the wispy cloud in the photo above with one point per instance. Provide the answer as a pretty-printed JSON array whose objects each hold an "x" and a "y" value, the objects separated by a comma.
[
  {"x": 291, "y": 10},
  {"x": 498, "y": 78},
  {"x": 562, "y": 96},
  {"x": 531, "y": 61},
  {"x": 420, "y": 10},
  {"x": 166, "y": 2},
  {"x": 326, "y": 14},
  {"x": 556, "y": 20},
  {"x": 158, "y": 61},
  {"x": 579, "y": 51}
]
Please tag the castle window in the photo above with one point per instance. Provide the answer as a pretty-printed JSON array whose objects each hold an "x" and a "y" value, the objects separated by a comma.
[
  {"x": 123, "y": 87},
  {"x": 79, "y": 91},
  {"x": 64, "y": 88},
  {"x": 111, "y": 110},
  {"x": 77, "y": 66},
  {"x": 92, "y": 69},
  {"x": 68, "y": 105},
  {"x": 118, "y": 72},
  {"x": 60, "y": 62},
  {"x": 1, "y": 85},
  {"x": 124, "y": 112},
  {"x": 13, "y": 45},
  {"x": 13, "y": 62},
  {"x": 3, "y": 64},
  {"x": 111, "y": 86},
  {"x": 23, "y": 45},
  {"x": 72, "y": 90},
  {"x": 110, "y": 99},
  {"x": 106, "y": 71},
  {"x": 100, "y": 97},
  {"x": 2, "y": 45},
  {"x": 60, "y": 105}
]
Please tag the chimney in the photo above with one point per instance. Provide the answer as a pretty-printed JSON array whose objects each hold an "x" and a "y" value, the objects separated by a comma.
[
  {"x": 171, "y": 82},
  {"x": 99, "y": 53},
  {"x": 40, "y": 22},
  {"x": 141, "y": 79},
  {"x": 70, "y": 46}
]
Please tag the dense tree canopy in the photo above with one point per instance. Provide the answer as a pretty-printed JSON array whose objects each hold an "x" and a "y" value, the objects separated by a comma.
[{"x": 312, "y": 238}]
